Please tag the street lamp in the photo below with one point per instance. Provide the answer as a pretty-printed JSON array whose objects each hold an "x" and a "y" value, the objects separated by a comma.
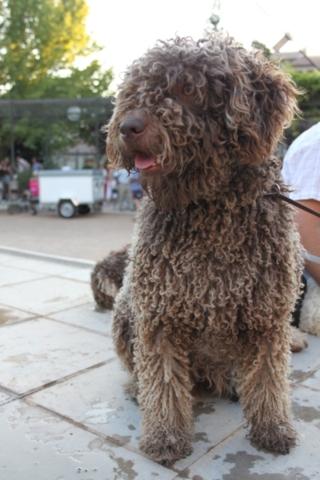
[
  {"x": 74, "y": 113},
  {"x": 214, "y": 20}
]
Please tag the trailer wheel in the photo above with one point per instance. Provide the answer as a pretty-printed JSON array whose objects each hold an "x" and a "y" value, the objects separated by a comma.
[
  {"x": 83, "y": 209},
  {"x": 66, "y": 209}
]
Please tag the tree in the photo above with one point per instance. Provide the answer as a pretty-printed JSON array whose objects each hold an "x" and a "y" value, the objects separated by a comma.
[
  {"x": 40, "y": 39},
  {"x": 39, "y": 43},
  {"x": 261, "y": 46},
  {"x": 308, "y": 83}
]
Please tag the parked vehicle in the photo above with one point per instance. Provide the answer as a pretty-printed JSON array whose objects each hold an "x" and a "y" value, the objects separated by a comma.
[{"x": 71, "y": 191}]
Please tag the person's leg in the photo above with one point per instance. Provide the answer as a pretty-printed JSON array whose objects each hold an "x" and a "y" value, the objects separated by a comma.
[
  {"x": 1, "y": 189},
  {"x": 121, "y": 198},
  {"x": 128, "y": 198},
  {"x": 298, "y": 306}
]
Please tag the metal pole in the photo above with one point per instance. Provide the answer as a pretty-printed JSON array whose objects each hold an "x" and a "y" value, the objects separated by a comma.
[
  {"x": 309, "y": 59},
  {"x": 12, "y": 146},
  {"x": 96, "y": 134}
]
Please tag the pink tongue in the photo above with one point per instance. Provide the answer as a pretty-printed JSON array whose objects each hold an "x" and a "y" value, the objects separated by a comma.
[{"x": 142, "y": 162}]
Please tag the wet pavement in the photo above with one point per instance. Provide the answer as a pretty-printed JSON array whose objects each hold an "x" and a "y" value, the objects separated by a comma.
[{"x": 64, "y": 412}]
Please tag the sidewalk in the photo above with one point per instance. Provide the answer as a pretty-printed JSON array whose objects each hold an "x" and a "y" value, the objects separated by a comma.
[
  {"x": 64, "y": 413},
  {"x": 90, "y": 236}
]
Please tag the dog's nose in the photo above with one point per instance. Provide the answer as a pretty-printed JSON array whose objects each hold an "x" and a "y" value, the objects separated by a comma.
[{"x": 132, "y": 125}]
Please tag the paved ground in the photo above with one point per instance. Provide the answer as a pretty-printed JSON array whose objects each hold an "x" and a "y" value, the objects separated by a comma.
[
  {"x": 89, "y": 236},
  {"x": 64, "y": 413}
]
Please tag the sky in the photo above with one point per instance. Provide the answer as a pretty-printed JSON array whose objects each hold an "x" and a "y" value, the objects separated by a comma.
[{"x": 126, "y": 28}]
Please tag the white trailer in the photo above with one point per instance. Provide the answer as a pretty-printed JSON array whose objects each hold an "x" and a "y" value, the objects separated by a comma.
[{"x": 71, "y": 191}]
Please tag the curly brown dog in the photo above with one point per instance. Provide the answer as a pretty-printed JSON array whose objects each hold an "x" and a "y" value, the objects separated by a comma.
[
  {"x": 107, "y": 278},
  {"x": 214, "y": 267}
]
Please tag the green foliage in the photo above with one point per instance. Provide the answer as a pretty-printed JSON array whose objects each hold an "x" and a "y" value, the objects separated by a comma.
[
  {"x": 309, "y": 84},
  {"x": 23, "y": 180},
  {"x": 39, "y": 38},
  {"x": 262, "y": 47},
  {"x": 91, "y": 81},
  {"x": 39, "y": 43},
  {"x": 309, "y": 100}
]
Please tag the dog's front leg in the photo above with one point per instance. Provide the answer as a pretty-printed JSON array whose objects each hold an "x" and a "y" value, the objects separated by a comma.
[
  {"x": 165, "y": 399},
  {"x": 263, "y": 387},
  {"x": 123, "y": 323}
]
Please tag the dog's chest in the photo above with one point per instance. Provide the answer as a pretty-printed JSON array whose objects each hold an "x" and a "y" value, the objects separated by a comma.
[{"x": 184, "y": 259}]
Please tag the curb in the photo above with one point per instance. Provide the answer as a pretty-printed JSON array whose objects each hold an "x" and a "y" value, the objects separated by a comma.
[{"x": 72, "y": 262}]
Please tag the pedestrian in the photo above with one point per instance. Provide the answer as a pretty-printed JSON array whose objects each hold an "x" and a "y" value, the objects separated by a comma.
[
  {"x": 22, "y": 164},
  {"x": 136, "y": 188},
  {"x": 124, "y": 191},
  {"x": 301, "y": 171},
  {"x": 5, "y": 178},
  {"x": 36, "y": 165}
]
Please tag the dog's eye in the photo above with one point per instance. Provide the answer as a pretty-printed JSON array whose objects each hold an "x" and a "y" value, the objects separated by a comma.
[{"x": 188, "y": 89}]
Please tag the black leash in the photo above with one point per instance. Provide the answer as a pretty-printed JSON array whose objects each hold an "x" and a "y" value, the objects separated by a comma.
[
  {"x": 293, "y": 202},
  {"x": 307, "y": 256}
]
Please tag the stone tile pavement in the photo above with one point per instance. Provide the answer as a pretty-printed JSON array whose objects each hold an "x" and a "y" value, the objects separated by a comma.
[{"x": 64, "y": 412}]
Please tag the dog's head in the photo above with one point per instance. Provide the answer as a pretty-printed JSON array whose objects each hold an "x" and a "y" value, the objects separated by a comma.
[{"x": 189, "y": 113}]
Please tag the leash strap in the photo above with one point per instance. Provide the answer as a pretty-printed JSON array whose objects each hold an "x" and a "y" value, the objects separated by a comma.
[
  {"x": 293, "y": 202},
  {"x": 307, "y": 256},
  {"x": 311, "y": 258}
]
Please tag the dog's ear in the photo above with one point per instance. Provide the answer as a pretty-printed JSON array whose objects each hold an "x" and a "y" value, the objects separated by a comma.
[
  {"x": 265, "y": 99},
  {"x": 112, "y": 142}
]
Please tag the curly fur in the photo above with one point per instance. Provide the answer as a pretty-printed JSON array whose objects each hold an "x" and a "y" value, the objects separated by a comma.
[
  {"x": 215, "y": 265},
  {"x": 298, "y": 340},
  {"x": 107, "y": 276}
]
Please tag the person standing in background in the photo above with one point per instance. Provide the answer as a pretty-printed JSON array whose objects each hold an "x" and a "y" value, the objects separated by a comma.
[
  {"x": 22, "y": 164},
  {"x": 5, "y": 177},
  {"x": 36, "y": 165},
  {"x": 136, "y": 188},
  {"x": 124, "y": 191}
]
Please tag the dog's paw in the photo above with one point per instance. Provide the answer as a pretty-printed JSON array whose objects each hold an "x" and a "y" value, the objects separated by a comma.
[
  {"x": 278, "y": 438},
  {"x": 298, "y": 340},
  {"x": 131, "y": 388},
  {"x": 310, "y": 313},
  {"x": 166, "y": 448}
]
